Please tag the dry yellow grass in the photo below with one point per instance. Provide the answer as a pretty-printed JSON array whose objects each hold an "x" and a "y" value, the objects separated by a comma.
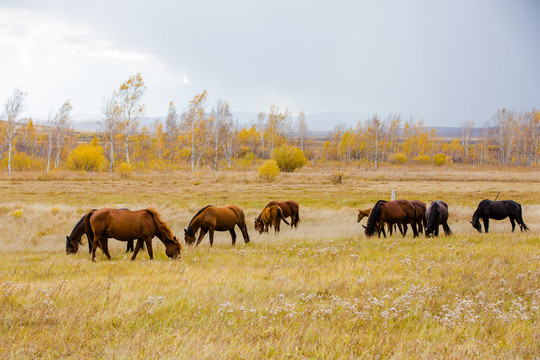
[{"x": 320, "y": 291}]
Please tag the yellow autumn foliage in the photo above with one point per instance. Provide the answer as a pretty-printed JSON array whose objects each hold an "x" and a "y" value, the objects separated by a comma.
[{"x": 87, "y": 157}]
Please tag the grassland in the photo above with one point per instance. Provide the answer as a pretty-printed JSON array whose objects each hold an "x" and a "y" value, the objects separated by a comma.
[{"x": 320, "y": 291}]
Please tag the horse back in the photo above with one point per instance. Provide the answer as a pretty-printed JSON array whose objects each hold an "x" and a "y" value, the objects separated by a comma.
[
  {"x": 406, "y": 207},
  {"x": 288, "y": 207},
  {"x": 222, "y": 218},
  {"x": 123, "y": 224}
]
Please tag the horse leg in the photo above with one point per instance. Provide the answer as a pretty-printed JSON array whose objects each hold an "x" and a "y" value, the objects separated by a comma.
[
  {"x": 414, "y": 230},
  {"x": 201, "y": 235},
  {"x": 437, "y": 231},
  {"x": 245, "y": 234},
  {"x": 404, "y": 232},
  {"x": 129, "y": 246},
  {"x": 211, "y": 236},
  {"x": 276, "y": 225},
  {"x": 446, "y": 229},
  {"x": 148, "y": 242},
  {"x": 486, "y": 224},
  {"x": 513, "y": 223},
  {"x": 138, "y": 246},
  {"x": 233, "y": 236},
  {"x": 94, "y": 247},
  {"x": 105, "y": 247}
]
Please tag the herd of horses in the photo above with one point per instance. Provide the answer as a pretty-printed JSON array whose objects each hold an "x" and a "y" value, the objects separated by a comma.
[{"x": 143, "y": 225}]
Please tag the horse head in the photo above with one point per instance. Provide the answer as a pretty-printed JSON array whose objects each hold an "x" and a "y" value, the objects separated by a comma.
[
  {"x": 259, "y": 226},
  {"x": 72, "y": 246},
  {"x": 189, "y": 238},
  {"x": 476, "y": 222},
  {"x": 173, "y": 249},
  {"x": 476, "y": 225}
]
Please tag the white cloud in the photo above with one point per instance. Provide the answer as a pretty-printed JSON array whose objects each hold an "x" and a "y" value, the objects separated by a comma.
[{"x": 55, "y": 59}]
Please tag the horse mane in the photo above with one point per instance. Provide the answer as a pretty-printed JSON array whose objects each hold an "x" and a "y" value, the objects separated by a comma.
[
  {"x": 163, "y": 231},
  {"x": 375, "y": 215},
  {"x": 433, "y": 216},
  {"x": 193, "y": 218}
]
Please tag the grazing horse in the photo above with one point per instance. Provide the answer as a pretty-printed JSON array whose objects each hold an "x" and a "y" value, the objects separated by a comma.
[
  {"x": 437, "y": 214},
  {"x": 213, "y": 218},
  {"x": 420, "y": 214},
  {"x": 391, "y": 227},
  {"x": 269, "y": 216},
  {"x": 393, "y": 212},
  {"x": 126, "y": 225},
  {"x": 75, "y": 238},
  {"x": 290, "y": 208},
  {"x": 498, "y": 210}
]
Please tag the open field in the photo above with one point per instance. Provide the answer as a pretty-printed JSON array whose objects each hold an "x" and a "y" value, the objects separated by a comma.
[{"x": 320, "y": 291}]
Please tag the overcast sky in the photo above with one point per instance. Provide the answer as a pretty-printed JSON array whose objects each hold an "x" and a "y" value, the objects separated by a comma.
[{"x": 442, "y": 61}]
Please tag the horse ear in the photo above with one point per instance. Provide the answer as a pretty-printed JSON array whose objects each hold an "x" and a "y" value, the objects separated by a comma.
[
  {"x": 471, "y": 222},
  {"x": 185, "y": 231},
  {"x": 364, "y": 226}
]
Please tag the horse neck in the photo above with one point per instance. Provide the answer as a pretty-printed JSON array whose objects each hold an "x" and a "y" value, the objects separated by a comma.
[
  {"x": 434, "y": 215},
  {"x": 78, "y": 230},
  {"x": 374, "y": 217},
  {"x": 194, "y": 225}
]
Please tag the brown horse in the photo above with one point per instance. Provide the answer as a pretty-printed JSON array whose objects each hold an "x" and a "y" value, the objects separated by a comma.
[
  {"x": 391, "y": 226},
  {"x": 75, "y": 238},
  {"x": 290, "y": 208},
  {"x": 393, "y": 212},
  {"x": 213, "y": 218},
  {"x": 420, "y": 218},
  {"x": 269, "y": 216},
  {"x": 126, "y": 225}
]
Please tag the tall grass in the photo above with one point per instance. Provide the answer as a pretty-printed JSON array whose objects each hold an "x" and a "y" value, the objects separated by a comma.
[{"x": 320, "y": 291}]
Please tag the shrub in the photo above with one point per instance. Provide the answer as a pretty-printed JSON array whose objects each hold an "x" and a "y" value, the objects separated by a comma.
[
  {"x": 245, "y": 161},
  {"x": 422, "y": 159},
  {"x": 439, "y": 159},
  {"x": 398, "y": 158},
  {"x": 87, "y": 157},
  {"x": 124, "y": 169},
  {"x": 269, "y": 170},
  {"x": 289, "y": 158},
  {"x": 22, "y": 162},
  {"x": 55, "y": 210}
]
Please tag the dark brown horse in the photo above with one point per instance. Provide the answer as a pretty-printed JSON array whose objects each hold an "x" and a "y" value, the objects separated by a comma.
[
  {"x": 213, "y": 218},
  {"x": 392, "y": 212},
  {"x": 75, "y": 238},
  {"x": 498, "y": 210},
  {"x": 437, "y": 214},
  {"x": 391, "y": 227},
  {"x": 269, "y": 216},
  {"x": 289, "y": 208},
  {"x": 420, "y": 214},
  {"x": 126, "y": 225}
]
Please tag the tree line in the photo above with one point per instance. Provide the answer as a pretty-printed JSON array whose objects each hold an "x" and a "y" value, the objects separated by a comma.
[{"x": 210, "y": 137}]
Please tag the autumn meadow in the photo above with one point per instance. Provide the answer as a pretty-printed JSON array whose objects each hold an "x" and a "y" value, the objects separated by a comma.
[{"x": 321, "y": 291}]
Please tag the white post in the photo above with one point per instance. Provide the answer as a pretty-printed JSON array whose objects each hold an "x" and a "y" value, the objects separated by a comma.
[{"x": 393, "y": 195}]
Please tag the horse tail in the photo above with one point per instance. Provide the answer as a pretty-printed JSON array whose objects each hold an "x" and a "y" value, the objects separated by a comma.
[
  {"x": 374, "y": 217},
  {"x": 296, "y": 216},
  {"x": 521, "y": 220},
  {"x": 162, "y": 230},
  {"x": 89, "y": 231},
  {"x": 280, "y": 214}
]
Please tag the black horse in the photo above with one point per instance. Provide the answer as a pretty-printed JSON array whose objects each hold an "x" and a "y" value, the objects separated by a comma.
[
  {"x": 437, "y": 214},
  {"x": 75, "y": 238},
  {"x": 498, "y": 210}
]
